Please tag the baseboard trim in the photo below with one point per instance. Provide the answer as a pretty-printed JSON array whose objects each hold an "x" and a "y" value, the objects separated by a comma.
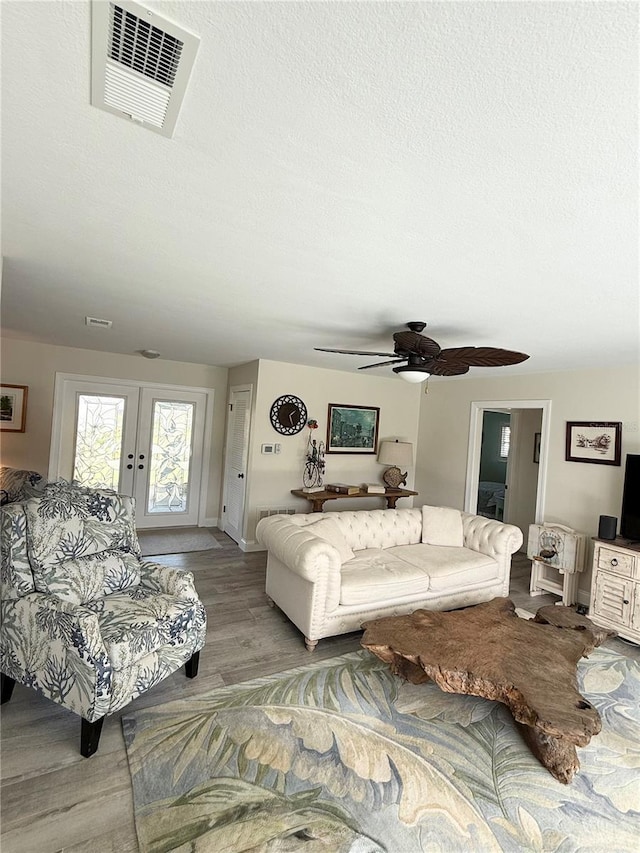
[{"x": 208, "y": 522}]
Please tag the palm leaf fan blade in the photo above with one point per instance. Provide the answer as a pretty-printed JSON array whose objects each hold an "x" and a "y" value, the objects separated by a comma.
[
  {"x": 355, "y": 352},
  {"x": 445, "y": 368},
  {"x": 382, "y": 363},
  {"x": 482, "y": 356}
]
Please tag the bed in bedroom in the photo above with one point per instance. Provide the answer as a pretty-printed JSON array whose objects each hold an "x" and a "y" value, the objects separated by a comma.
[{"x": 490, "y": 499}]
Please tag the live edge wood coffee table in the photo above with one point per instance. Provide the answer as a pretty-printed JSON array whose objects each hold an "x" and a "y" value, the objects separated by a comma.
[{"x": 487, "y": 650}]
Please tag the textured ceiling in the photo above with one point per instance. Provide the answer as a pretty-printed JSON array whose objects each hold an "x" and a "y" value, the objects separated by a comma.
[{"x": 337, "y": 170}]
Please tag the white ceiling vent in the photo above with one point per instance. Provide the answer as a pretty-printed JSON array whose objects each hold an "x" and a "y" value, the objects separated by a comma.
[
  {"x": 96, "y": 321},
  {"x": 140, "y": 64}
]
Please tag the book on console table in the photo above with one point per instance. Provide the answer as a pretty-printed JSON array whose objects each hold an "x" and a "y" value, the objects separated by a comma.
[
  {"x": 342, "y": 488},
  {"x": 309, "y": 490},
  {"x": 374, "y": 488}
]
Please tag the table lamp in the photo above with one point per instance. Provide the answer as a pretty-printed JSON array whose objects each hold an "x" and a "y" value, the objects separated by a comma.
[{"x": 397, "y": 454}]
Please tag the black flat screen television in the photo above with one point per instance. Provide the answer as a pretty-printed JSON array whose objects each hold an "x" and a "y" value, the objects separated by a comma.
[{"x": 630, "y": 517}]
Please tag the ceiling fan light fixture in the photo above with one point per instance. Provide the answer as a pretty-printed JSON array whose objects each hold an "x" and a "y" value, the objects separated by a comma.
[{"x": 412, "y": 374}]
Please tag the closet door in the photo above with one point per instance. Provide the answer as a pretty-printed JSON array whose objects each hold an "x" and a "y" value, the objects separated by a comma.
[{"x": 237, "y": 452}]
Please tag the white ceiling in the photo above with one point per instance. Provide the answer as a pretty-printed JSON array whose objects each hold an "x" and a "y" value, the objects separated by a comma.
[{"x": 337, "y": 170}]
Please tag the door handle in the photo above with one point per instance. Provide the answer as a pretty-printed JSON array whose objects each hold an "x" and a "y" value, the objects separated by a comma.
[{"x": 241, "y": 476}]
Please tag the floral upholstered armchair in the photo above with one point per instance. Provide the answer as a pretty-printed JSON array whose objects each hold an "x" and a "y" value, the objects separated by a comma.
[{"x": 85, "y": 620}]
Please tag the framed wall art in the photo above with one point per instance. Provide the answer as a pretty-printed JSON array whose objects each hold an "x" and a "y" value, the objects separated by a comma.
[
  {"x": 13, "y": 407},
  {"x": 599, "y": 442},
  {"x": 352, "y": 429}
]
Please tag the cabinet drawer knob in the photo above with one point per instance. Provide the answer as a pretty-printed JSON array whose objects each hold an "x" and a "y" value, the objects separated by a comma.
[
  {"x": 614, "y": 562},
  {"x": 625, "y": 600}
]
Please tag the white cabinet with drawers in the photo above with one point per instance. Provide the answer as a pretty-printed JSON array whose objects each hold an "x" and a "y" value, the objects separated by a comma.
[{"x": 615, "y": 587}]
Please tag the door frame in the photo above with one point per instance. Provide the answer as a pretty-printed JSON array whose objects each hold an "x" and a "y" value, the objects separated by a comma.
[
  {"x": 55, "y": 447},
  {"x": 475, "y": 442}
]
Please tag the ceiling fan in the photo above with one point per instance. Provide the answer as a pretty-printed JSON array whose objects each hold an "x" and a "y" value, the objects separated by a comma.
[{"x": 423, "y": 356}]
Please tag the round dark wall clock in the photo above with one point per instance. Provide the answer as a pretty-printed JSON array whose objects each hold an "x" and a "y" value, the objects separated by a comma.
[{"x": 288, "y": 415}]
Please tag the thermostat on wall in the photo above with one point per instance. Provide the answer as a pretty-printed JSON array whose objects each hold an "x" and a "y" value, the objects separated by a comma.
[{"x": 271, "y": 448}]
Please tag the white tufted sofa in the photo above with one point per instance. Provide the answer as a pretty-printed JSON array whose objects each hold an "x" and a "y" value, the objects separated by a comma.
[{"x": 392, "y": 571}]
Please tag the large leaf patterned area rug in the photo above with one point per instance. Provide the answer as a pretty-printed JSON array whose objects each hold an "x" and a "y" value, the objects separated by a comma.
[{"x": 341, "y": 755}]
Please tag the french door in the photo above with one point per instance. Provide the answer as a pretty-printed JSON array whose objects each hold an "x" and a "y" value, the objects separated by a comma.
[{"x": 141, "y": 440}]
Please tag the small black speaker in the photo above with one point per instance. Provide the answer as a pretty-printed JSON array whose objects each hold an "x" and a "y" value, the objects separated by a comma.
[{"x": 607, "y": 527}]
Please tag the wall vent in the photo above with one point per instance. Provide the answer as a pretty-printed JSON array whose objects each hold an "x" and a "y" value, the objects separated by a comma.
[
  {"x": 95, "y": 321},
  {"x": 265, "y": 512},
  {"x": 140, "y": 64}
]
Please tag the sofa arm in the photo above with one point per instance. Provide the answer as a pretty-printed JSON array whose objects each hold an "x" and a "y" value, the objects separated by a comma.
[
  {"x": 57, "y": 648},
  {"x": 297, "y": 548},
  {"x": 168, "y": 580},
  {"x": 488, "y": 536}
]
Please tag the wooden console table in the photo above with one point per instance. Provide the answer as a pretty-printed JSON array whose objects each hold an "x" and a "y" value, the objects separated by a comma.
[{"x": 318, "y": 499}]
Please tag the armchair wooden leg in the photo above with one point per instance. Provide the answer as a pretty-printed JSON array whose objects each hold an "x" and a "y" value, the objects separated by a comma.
[
  {"x": 310, "y": 644},
  {"x": 191, "y": 666},
  {"x": 90, "y": 736},
  {"x": 6, "y": 687}
]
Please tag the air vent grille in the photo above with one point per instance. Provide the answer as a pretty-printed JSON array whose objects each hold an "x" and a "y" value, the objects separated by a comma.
[
  {"x": 96, "y": 321},
  {"x": 143, "y": 47},
  {"x": 141, "y": 64},
  {"x": 266, "y": 511}
]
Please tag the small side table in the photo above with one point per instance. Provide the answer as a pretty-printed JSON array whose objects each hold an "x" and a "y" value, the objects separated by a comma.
[{"x": 557, "y": 558}]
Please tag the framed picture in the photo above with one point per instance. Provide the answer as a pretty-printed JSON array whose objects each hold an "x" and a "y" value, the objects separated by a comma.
[
  {"x": 593, "y": 441},
  {"x": 352, "y": 429},
  {"x": 536, "y": 446},
  {"x": 13, "y": 407}
]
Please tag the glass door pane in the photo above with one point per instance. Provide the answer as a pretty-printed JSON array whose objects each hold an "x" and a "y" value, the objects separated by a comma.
[
  {"x": 170, "y": 459},
  {"x": 98, "y": 441}
]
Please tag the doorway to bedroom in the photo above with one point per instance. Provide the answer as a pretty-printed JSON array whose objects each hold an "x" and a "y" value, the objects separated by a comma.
[{"x": 507, "y": 460}]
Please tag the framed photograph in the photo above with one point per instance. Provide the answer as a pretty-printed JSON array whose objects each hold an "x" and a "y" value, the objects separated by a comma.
[
  {"x": 352, "y": 429},
  {"x": 13, "y": 407},
  {"x": 536, "y": 446},
  {"x": 594, "y": 441}
]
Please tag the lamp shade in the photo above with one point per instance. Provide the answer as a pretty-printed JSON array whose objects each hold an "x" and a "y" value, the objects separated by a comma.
[{"x": 399, "y": 453}]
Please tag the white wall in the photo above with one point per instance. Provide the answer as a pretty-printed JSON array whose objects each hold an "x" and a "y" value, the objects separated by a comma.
[
  {"x": 577, "y": 493},
  {"x": 273, "y": 477},
  {"x": 35, "y": 365}
]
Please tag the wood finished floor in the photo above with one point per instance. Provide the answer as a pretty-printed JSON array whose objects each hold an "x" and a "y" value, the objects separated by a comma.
[{"x": 52, "y": 799}]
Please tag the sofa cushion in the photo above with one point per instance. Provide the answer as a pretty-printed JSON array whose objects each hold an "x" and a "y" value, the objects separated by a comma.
[
  {"x": 327, "y": 529},
  {"x": 377, "y": 574},
  {"x": 442, "y": 526},
  {"x": 81, "y": 543},
  {"x": 449, "y": 568},
  {"x": 83, "y": 579},
  {"x": 138, "y": 621}
]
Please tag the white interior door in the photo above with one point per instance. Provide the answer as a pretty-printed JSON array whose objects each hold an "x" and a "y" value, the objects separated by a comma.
[
  {"x": 237, "y": 451},
  {"x": 144, "y": 441}
]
